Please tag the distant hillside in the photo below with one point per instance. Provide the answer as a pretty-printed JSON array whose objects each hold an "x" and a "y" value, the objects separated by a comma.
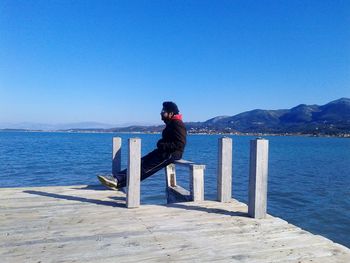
[
  {"x": 52, "y": 127},
  {"x": 332, "y": 118}
]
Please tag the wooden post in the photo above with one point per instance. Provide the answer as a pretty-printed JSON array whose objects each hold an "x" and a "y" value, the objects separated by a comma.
[
  {"x": 224, "y": 179},
  {"x": 197, "y": 182},
  {"x": 116, "y": 155},
  {"x": 170, "y": 173},
  {"x": 257, "y": 199},
  {"x": 133, "y": 173}
]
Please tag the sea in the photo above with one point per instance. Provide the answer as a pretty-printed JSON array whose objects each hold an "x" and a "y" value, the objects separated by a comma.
[{"x": 308, "y": 180}]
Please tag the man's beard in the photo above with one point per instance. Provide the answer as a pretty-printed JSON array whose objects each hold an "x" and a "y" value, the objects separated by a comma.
[{"x": 165, "y": 120}]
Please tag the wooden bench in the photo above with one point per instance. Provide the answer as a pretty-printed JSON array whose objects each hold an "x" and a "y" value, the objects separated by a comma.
[{"x": 176, "y": 193}]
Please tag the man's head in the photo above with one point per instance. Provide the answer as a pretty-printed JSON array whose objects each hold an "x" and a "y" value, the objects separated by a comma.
[{"x": 169, "y": 110}]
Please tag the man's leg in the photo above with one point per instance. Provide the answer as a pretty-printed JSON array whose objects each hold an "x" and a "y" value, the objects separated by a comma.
[
  {"x": 153, "y": 162},
  {"x": 150, "y": 164}
]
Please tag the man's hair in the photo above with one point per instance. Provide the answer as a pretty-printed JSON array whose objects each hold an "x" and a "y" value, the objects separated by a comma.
[{"x": 170, "y": 106}]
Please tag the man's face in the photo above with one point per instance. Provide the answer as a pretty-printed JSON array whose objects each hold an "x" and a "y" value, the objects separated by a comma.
[{"x": 166, "y": 115}]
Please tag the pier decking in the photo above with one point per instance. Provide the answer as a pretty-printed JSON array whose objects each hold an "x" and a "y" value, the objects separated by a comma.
[{"x": 91, "y": 224}]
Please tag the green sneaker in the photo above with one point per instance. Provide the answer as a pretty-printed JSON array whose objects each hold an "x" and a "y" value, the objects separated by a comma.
[{"x": 109, "y": 181}]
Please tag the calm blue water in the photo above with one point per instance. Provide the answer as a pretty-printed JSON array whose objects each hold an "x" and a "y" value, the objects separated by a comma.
[{"x": 309, "y": 178}]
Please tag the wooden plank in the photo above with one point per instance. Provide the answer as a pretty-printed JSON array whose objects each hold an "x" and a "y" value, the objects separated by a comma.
[
  {"x": 178, "y": 194},
  {"x": 68, "y": 224},
  {"x": 133, "y": 173},
  {"x": 183, "y": 162},
  {"x": 224, "y": 180}
]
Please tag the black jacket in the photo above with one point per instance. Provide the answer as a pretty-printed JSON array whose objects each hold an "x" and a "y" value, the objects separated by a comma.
[{"x": 173, "y": 139}]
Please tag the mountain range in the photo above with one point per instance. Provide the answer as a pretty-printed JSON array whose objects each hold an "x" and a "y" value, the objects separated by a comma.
[{"x": 332, "y": 118}]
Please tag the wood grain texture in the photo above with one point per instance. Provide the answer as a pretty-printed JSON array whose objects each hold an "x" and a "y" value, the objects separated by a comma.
[{"x": 91, "y": 224}]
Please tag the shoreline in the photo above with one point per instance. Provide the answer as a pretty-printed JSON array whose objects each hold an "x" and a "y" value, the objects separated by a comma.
[{"x": 345, "y": 135}]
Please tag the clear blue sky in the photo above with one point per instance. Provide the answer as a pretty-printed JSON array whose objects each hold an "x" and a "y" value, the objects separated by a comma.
[{"x": 116, "y": 61}]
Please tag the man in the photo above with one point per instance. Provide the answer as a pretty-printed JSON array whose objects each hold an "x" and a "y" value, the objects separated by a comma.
[{"x": 169, "y": 148}]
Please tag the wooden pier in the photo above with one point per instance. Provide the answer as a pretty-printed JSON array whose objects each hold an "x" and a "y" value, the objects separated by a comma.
[{"x": 92, "y": 224}]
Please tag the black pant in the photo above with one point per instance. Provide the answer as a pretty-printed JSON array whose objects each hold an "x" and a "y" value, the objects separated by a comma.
[{"x": 150, "y": 164}]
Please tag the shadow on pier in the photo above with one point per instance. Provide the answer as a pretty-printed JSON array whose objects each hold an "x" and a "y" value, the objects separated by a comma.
[
  {"x": 79, "y": 199},
  {"x": 91, "y": 187},
  {"x": 208, "y": 210},
  {"x": 122, "y": 204}
]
